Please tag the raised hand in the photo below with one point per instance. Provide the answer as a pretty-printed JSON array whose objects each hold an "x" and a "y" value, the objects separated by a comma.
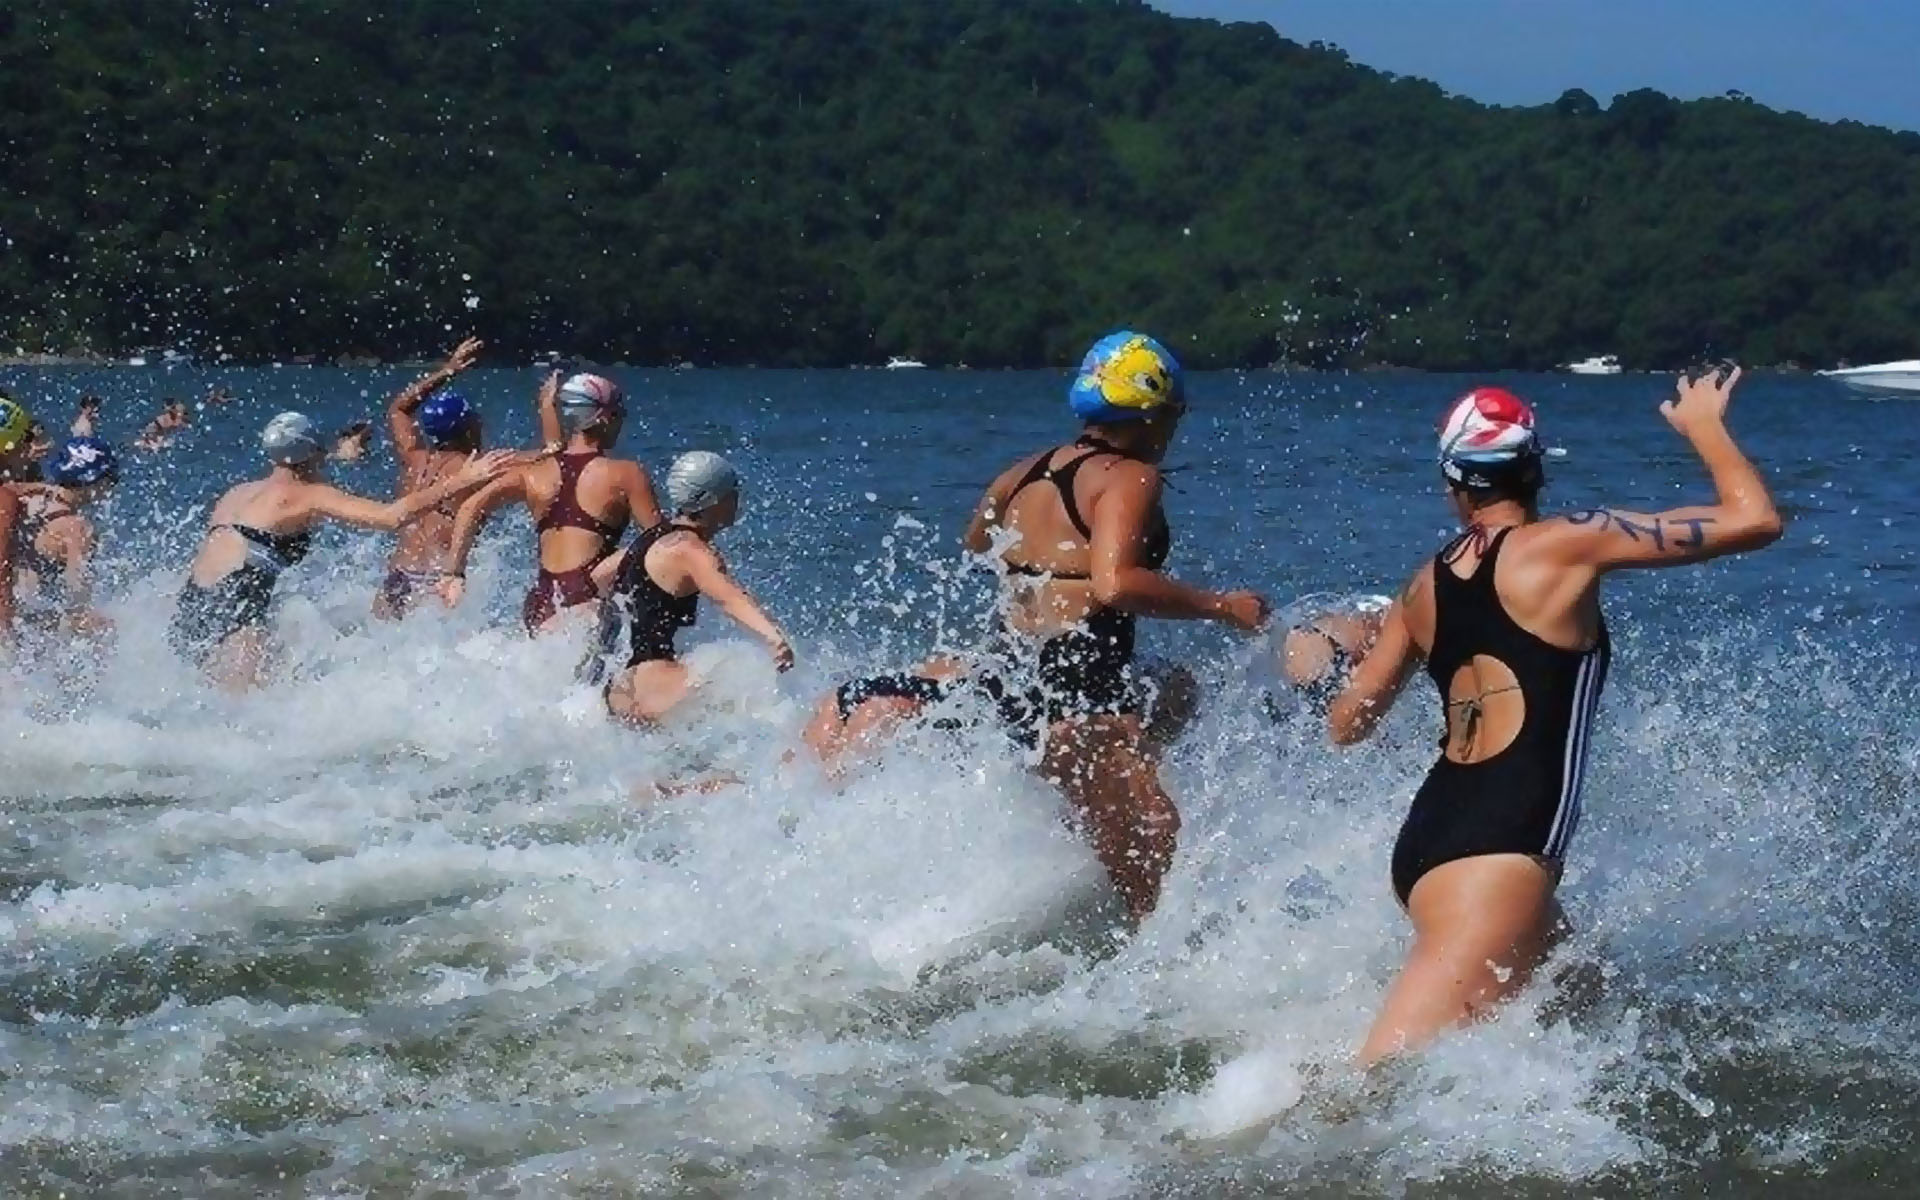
[
  {"x": 782, "y": 651},
  {"x": 463, "y": 356},
  {"x": 1700, "y": 400}
]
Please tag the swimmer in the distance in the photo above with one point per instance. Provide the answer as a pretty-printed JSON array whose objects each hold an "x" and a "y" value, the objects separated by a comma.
[
  {"x": 1507, "y": 618},
  {"x": 654, "y": 587}
]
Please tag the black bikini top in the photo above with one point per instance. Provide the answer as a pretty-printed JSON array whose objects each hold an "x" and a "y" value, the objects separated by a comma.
[
  {"x": 1159, "y": 534},
  {"x": 36, "y": 513},
  {"x": 274, "y": 551}
]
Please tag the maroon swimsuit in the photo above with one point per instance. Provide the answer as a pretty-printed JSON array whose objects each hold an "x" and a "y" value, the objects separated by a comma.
[{"x": 555, "y": 590}]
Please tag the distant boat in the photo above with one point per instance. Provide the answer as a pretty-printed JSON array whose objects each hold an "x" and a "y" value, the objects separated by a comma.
[
  {"x": 1599, "y": 364},
  {"x": 905, "y": 364},
  {"x": 138, "y": 360},
  {"x": 1881, "y": 379}
]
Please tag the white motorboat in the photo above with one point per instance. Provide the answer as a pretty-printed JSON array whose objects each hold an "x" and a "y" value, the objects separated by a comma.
[
  {"x": 1881, "y": 379},
  {"x": 905, "y": 364},
  {"x": 1599, "y": 364}
]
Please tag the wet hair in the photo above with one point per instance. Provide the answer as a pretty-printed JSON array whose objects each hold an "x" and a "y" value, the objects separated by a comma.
[{"x": 1519, "y": 480}]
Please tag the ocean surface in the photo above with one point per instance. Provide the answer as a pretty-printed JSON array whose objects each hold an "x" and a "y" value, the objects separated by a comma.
[{"x": 413, "y": 922}]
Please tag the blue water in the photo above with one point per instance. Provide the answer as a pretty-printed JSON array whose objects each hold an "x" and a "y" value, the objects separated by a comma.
[{"x": 399, "y": 926}]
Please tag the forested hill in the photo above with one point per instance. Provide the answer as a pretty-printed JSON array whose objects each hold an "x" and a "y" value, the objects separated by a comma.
[{"x": 835, "y": 181}]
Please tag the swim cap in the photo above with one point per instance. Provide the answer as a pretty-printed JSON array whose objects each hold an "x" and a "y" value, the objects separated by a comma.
[
  {"x": 81, "y": 461},
  {"x": 444, "y": 416},
  {"x": 1125, "y": 377},
  {"x": 1486, "y": 432},
  {"x": 290, "y": 439},
  {"x": 587, "y": 399},
  {"x": 700, "y": 479},
  {"x": 16, "y": 424}
]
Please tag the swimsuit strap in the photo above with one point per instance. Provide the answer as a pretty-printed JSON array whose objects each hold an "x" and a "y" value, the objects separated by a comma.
[
  {"x": 1062, "y": 477},
  {"x": 565, "y": 511},
  {"x": 286, "y": 548}
]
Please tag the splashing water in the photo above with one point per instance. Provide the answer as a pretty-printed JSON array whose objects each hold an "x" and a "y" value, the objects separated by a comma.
[{"x": 414, "y": 922}]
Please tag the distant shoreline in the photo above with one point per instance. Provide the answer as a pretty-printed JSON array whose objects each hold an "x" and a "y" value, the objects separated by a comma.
[{"x": 367, "y": 362}]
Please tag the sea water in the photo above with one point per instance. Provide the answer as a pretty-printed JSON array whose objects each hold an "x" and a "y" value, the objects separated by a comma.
[{"x": 414, "y": 922}]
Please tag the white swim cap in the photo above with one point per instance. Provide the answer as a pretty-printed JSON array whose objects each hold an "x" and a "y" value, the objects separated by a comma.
[
  {"x": 700, "y": 479},
  {"x": 290, "y": 439},
  {"x": 587, "y": 400}
]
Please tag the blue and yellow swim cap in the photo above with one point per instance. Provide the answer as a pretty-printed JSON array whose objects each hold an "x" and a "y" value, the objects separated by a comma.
[
  {"x": 1125, "y": 377},
  {"x": 16, "y": 424}
]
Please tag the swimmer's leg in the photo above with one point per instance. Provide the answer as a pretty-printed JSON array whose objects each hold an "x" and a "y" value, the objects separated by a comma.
[
  {"x": 238, "y": 665},
  {"x": 1482, "y": 926},
  {"x": 1109, "y": 774},
  {"x": 645, "y": 692}
]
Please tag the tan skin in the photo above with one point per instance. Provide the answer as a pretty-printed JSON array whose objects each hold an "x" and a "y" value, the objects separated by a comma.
[
  {"x": 423, "y": 545},
  {"x": 1107, "y": 765},
  {"x": 610, "y": 489},
  {"x": 292, "y": 499},
  {"x": 1483, "y": 925},
  {"x": 67, "y": 537},
  {"x": 683, "y": 564}
]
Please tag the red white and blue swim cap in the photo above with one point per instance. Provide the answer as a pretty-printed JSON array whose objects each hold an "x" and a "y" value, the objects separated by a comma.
[{"x": 1486, "y": 432}]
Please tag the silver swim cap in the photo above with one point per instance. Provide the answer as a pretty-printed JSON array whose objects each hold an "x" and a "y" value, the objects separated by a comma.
[
  {"x": 585, "y": 400},
  {"x": 290, "y": 439},
  {"x": 699, "y": 480}
]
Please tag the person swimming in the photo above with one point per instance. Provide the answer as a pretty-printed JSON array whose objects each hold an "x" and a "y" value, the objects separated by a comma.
[
  {"x": 1319, "y": 640},
  {"x": 260, "y": 528},
  {"x": 582, "y": 500},
  {"x": 1079, "y": 538},
  {"x": 54, "y": 539},
  {"x": 435, "y": 430},
  {"x": 654, "y": 588},
  {"x": 1507, "y": 619}
]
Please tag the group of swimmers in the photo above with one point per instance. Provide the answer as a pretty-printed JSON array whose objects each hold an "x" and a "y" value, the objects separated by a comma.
[{"x": 1506, "y": 618}]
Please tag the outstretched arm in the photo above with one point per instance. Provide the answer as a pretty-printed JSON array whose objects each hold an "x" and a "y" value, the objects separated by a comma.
[
  {"x": 1742, "y": 518},
  {"x": 1381, "y": 674},
  {"x": 709, "y": 573},
  {"x": 1121, "y": 581},
  {"x": 329, "y": 501},
  {"x": 473, "y": 514},
  {"x": 406, "y": 435}
]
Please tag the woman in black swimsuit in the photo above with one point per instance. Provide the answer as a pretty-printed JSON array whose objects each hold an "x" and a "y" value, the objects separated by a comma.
[
  {"x": 260, "y": 528},
  {"x": 1084, "y": 541},
  {"x": 654, "y": 588},
  {"x": 1507, "y": 619}
]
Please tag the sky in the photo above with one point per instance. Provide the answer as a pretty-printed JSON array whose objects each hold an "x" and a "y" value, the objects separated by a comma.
[{"x": 1833, "y": 59}]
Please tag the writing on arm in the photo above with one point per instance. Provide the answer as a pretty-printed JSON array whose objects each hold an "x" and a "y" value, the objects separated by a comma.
[{"x": 1663, "y": 533}]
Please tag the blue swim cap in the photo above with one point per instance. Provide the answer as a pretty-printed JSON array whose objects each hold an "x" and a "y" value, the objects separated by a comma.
[
  {"x": 444, "y": 416},
  {"x": 82, "y": 461},
  {"x": 1127, "y": 376}
]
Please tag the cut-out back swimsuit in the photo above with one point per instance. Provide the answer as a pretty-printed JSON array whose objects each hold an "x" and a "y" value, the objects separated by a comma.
[{"x": 1526, "y": 798}]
